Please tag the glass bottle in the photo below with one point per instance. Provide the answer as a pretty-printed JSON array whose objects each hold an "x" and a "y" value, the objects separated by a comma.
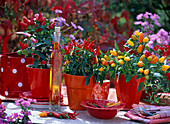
[{"x": 56, "y": 73}]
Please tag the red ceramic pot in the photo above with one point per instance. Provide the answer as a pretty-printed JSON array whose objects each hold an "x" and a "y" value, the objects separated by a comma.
[
  {"x": 39, "y": 80},
  {"x": 13, "y": 76},
  {"x": 101, "y": 91},
  {"x": 127, "y": 92},
  {"x": 77, "y": 90}
]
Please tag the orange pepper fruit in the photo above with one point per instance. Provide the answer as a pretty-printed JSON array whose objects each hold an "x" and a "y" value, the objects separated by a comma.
[
  {"x": 43, "y": 114},
  {"x": 165, "y": 67},
  {"x": 146, "y": 71},
  {"x": 141, "y": 70},
  {"x": 140, "y": 63},
  {"x": 140, "y": 48},
  {"x": 141, "y": 58},
  {"x": 111, "y": 62},
  {"x": 141, "y": 37},
  {"x": 154, "y": 60}
]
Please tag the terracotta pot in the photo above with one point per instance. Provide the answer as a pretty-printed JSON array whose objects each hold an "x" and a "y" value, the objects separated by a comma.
[
  {"x": 77, "y": 90},
  {"x": 101, "y": 91},
  {"x": 39, "y": 80},
  {"x": 127, "y": 92}
]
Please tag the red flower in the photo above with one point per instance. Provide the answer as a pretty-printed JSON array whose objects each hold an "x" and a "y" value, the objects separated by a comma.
[
  {"x": 24, "y": 25},
  {"x": 39, "y": 29},
  {"x": 26, "y": 20},
  {"x": 147, "y": 54},
  {"x": 32, "y": 21},
  {"x": 98, "y": 51},
  {"x": 168, "y": 76}
]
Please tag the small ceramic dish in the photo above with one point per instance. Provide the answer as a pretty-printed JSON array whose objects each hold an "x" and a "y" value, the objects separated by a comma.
[{"x": 103, "y": 112}]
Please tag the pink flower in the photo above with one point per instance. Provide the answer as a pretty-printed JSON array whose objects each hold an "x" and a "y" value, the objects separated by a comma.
[
  {"x": 138, "y": 17},
  {"x": 25, "y": 103}
]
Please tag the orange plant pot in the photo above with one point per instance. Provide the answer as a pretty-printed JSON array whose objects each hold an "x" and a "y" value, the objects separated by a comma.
[
  {"x": 39, "y": 80},
  {"x": 127, "y": 92},
  {"x": 101, "y": 91},
  {"x": 77, "y": 90}
]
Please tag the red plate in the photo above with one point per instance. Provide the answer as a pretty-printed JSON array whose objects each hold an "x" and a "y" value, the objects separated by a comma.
[{"x": 28, "y": 95}]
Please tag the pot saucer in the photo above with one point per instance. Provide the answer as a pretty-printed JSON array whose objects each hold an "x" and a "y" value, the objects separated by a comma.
[{"x": 28, "y": 95}]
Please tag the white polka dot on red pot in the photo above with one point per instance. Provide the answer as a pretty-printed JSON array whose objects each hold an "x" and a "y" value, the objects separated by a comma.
[
  {"x": 22, "y": 60},
  {"x": 20, "y": 84},
  {"x": 2, "y": 69},
  {"x": 6, "y": 93},
  {"x": 14, "y": 71}
]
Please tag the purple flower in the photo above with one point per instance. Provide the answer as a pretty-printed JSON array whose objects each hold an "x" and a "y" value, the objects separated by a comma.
[
  {"x": 137, "y": 22},
  {"x": 138, "y": 17},
  {"x": 72, "y": 37},
  {"x": 32, "y": 100},
  {"x": 20, "y": 100},
  {"x": 25, "y": 103},
  {"x": 81, "y": 29},
  {"x": 162, "y": 32},
  {"x": 74, "y": 26},
  {"x": 145, "y": 23},
  {"x": 2, "y": 115},
  {"x": 157, "y": 23},
  {"x": 58, "y": 11},
  {"x": 82, "y": 41},
  {"x": 146, "y": 15},
  {"x": 59, "y": 24},
  {"x": 155, "y": 17},
  {"x": 25, "y": 113},
  {"x": 10, "y": 119}
]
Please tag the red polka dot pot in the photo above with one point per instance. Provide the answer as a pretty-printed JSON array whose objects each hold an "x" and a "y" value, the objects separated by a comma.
[{"x": 13, "y": 76}]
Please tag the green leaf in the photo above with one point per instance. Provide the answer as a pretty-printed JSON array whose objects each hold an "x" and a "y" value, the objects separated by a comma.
[
  {"x": 144, "y": 60},
  {"x": 87, "y": 79},
  {"x": 139, "y": 76},
  {"x": 157, "y": 75},
  {"x": 129, "y": 77},
  {"x": 116, "y": 46},
  {"x": 47, "y": 41},
  {"x": 140, "y": 87},
  {"x": 42, "y": 56},
  {"x": 35, "y": 63}
]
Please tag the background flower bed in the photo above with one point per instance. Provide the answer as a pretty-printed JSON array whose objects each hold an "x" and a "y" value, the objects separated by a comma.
[{"x": 92, "y": 15}]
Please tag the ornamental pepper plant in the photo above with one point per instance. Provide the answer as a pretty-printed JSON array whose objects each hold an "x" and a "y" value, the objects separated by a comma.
[
  {"x": 84, "y": 60},
  {"x": 39, "y": 41},
  {"x": 136, "y": 60}
]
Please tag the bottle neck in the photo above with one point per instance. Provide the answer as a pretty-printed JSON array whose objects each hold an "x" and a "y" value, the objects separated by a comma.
[{"x": 56, "y": 46}]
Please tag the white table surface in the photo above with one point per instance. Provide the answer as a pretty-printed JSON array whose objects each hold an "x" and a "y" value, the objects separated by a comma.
[{"x": 82, "y": 118}]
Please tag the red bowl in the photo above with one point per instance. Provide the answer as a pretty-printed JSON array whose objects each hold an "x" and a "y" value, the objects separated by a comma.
[{"x": 101, "y": 113}]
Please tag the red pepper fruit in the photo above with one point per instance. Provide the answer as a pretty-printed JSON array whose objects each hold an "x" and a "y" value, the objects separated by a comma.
[
  {"x": 64, "y": 115},
  {"x": 66, "y": 50},
  {"x": 57, "y": 115},
  {"x": 39, "y": 29},
  {"x": 23, "y": 46},
  {"x": 24, "y": 25},
  {"x": 98, "y": 51}
]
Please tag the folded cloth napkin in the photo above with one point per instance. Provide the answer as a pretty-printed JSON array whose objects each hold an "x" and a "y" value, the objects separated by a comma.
[{"x": 149, "y": 114}]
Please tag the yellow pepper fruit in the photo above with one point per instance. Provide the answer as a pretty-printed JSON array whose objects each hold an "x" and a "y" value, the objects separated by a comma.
[
  {"x": 121, "y": 61},
  {"x": 145, "y": 39},
  {"x": 134, "y": 37},
  {"x": 113, "y": 52},
  {"x": 101, "y": 69},
  {"x": 161, "y": 60},
  {"x": 130, "y": 43},
  {"x": 137, "y": 33},
  {"x": 127, "y": 59},
  {"x": 141, "y": 70},
  {"x": 120, "y": 57},
  {"x": 165, "y": 67},
  {"x": 106, "y": 57},
  {"x": 113, "y": 65}
]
